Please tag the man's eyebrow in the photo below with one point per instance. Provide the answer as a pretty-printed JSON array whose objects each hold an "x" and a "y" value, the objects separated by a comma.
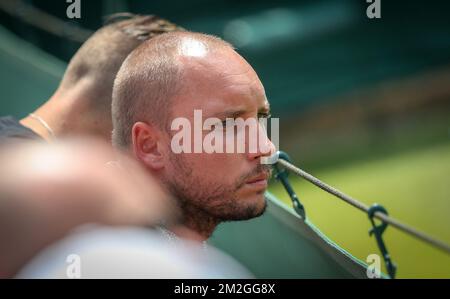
[
  {"x": 235, "y": 113},
  {"x": 230, "y": 113}
]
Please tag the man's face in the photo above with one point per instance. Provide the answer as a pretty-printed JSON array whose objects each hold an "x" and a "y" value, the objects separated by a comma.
[{"x": 227, "y": 186}]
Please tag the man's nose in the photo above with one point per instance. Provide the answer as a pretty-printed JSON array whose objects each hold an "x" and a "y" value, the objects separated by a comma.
[{"x": 265, "y": 146}]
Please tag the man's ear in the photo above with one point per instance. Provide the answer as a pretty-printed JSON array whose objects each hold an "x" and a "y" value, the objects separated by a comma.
[{"x": 147, "y": 145}]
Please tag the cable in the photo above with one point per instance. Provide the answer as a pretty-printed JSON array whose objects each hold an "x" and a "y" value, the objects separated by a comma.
[{"x": 359, "y": 205}]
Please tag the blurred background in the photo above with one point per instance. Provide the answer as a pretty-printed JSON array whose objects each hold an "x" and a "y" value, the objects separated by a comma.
[{"x": 364, "y": 104}]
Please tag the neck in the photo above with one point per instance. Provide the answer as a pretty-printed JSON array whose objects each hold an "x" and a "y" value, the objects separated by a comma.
[
  {"x": 51, "y": 115},
  {"x": 64, "y": 116},
  {"x": 199, "y": 221}
]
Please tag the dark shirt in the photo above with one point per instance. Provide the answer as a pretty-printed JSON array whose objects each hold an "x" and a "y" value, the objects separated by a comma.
[{"x": 12, "y": 130}]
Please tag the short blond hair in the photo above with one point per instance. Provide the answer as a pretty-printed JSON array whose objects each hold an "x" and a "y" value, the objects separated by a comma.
[{"x": 147, "y": 81}]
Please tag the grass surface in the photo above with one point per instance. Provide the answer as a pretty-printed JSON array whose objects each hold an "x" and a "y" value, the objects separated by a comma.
[{"x": 413, "y": 186}]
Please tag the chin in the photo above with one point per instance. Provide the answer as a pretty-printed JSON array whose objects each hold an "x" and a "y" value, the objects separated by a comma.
[
  {"x": 257, "y": 198},
  {"x": 261, "y": 202},
  {"x": 255, "y": 206},
  {"x": 245, "y": 208}
]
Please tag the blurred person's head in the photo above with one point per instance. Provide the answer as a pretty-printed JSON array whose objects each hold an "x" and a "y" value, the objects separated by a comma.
[
  {"x": 82, "y": 103},
  {"x": 47, "y": 190},
  {"x": 169, "y": 77}
]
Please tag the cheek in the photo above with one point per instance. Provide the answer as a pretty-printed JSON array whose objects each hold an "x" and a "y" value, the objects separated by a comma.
[{"x": 212, "y": 167}]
